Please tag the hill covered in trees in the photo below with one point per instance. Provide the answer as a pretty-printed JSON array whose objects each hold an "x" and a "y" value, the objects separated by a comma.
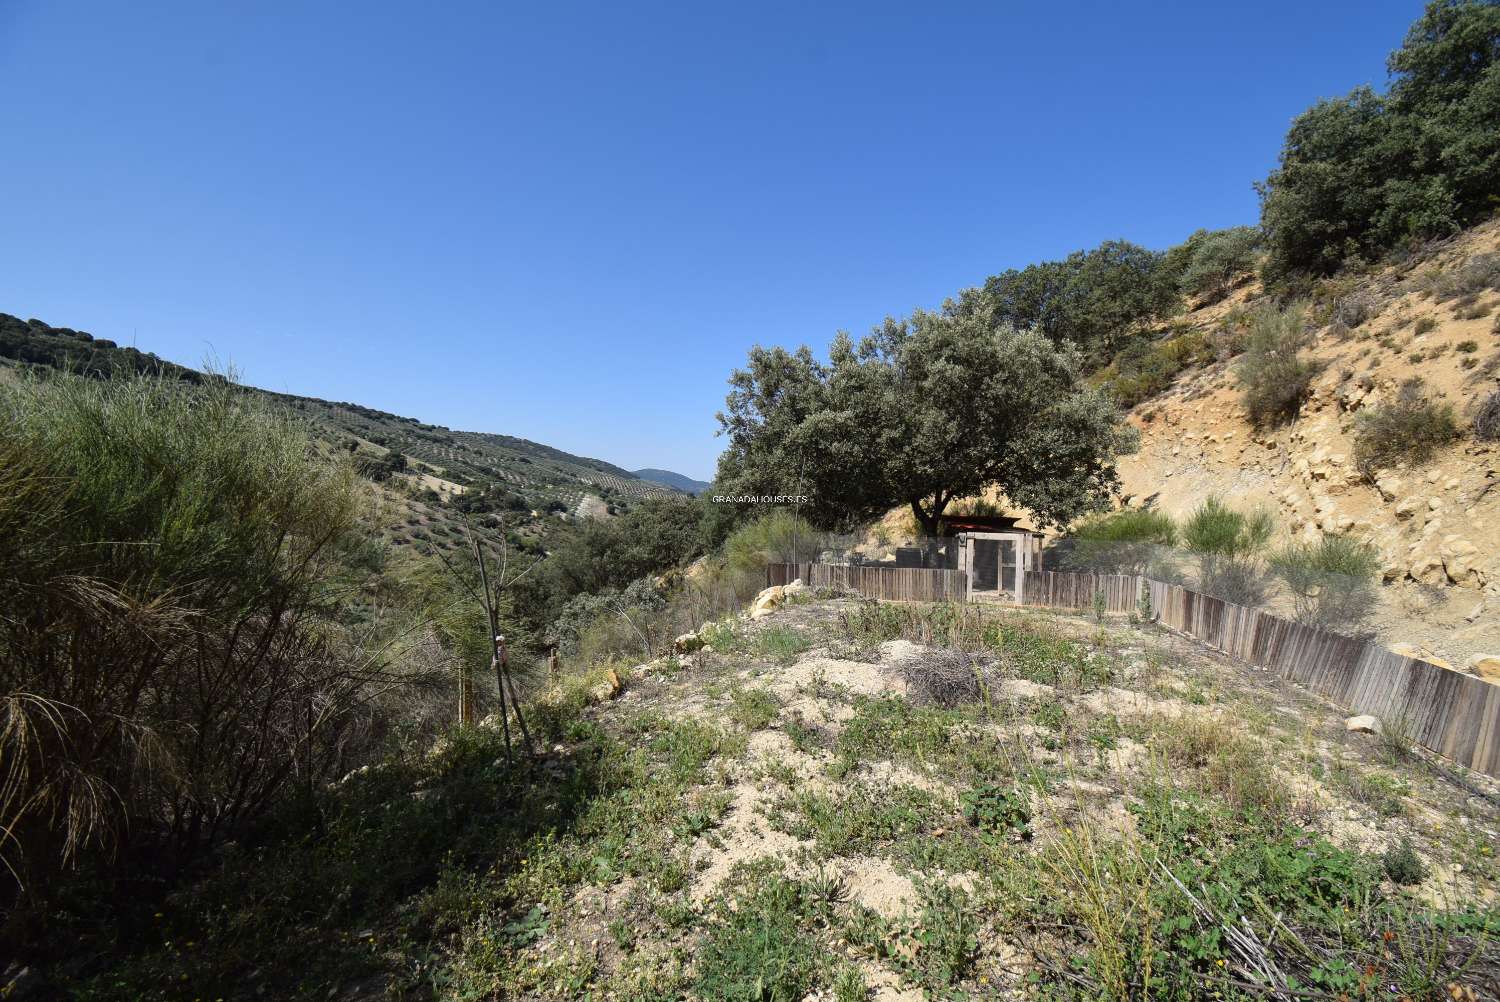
[{"x": 432, "y": 463}]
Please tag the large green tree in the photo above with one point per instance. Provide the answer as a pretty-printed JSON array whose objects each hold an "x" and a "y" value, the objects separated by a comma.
[
  {"x": 1360, "y": 173},
  {"x": 921, "y": 412},
  {"x": 1091, "y": 298}
]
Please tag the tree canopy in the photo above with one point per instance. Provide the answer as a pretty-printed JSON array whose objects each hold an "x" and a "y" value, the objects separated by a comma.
[
  {"x": 1360, "y": 173},
  {"x": 1091, "y": 298},
  {"x": 920, "y": 412}
]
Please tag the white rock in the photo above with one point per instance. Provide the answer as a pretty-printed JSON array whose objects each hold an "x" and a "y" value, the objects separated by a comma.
[
  {"x": 1364, "y": 724},
  {"x": 1486, "y": 666},
  {"x": 768, "y": 601}
]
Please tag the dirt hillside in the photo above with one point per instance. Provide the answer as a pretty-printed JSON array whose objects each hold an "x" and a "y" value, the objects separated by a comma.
[{"x": 1438, "y": 526}]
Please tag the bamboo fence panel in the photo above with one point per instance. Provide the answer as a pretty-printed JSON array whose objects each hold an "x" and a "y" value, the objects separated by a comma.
[
  {"x": 1451, "y": 713},
  {"x": 892, "y": 584}
]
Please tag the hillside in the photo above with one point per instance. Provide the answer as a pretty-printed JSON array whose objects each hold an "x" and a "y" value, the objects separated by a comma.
[
  {"x": 676, "y": 481},
  {"x": 818, "y": 807},
  {"x": 1433, "y": 317},
  {"x": 427, "y": 472}
]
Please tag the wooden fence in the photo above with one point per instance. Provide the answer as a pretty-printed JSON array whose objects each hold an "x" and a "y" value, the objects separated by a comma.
[
  {"x": 897, "y": 584},
  {"x": 1454, "y": 714}
]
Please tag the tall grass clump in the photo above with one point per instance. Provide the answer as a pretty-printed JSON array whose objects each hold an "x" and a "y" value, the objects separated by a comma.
[
  {"x": 1124, "y": 542},
  {"x": 1405, "y": 431},
  {"x": 168, "y": 664},
  {"x": 1332, "y": 581},
  {"x": 1227, "y": 546},
  {"x": 1273, "y": 375}
]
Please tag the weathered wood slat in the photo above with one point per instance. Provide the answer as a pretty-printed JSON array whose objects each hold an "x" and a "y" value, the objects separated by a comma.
[
  {"x": 894, "y": 584},
  {"x": 1454, "y": 714}
]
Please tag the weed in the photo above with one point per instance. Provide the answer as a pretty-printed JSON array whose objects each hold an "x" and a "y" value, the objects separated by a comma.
[
  {"x": 781, "y": 643},
  {"x": 998, "y": 812},
  {"x": 754, "y": 708},
  {"x": 757, "y": 949},
  {"x": 1385, "y": 794},
  {"x": 1402, "y": 864},
  {"x": 1407, "y": 430}
]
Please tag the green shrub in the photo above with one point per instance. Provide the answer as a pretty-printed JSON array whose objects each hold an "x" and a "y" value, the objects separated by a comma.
[
  {"x": 1332, "y": 581},
  {"x": 1404, "y": 431},
  {"x": 1218, "y": 259},
  {"x": 1144, "y": 368},
  {"x": 1227, "y": 545},
  {"x": 1402, "y": 864},
  {"x": 778, "y": 537},
  {"x": 1123, "y": 542},
  {"x": 1274, "y": 378}
]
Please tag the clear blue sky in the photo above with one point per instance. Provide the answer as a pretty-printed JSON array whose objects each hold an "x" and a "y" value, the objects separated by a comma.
[{"x": 569, "y": 222}]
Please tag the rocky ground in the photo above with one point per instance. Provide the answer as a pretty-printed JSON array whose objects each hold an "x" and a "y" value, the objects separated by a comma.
[
  {"x": 848, "y": 800},
  {"x": 936, "y": 838}
]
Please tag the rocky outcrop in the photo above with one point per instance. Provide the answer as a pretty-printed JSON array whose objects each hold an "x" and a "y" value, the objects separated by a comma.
[{"x": 1436, "y": 525}]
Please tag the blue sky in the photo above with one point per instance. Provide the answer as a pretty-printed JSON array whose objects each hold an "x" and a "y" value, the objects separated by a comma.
[{"x": 569, "y": 222}]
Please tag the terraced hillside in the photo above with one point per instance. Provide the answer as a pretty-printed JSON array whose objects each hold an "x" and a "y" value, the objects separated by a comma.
[{"x": 423, "y": 469}]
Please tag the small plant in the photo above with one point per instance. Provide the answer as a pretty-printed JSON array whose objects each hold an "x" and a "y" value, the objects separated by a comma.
[
  {"x": 998, "y": 812},
  {"x": 527, "y": 929},
  {"x": 1274, "y": 377},
  {"x": 1424, "y": 325},
  {"x": 849, "y": 986},
  {"x": 1487, "y": 418},
  {"x": 1467, "y": 347},
  {"x": 1332, "y": 581},
  {"x": 1402, "y": 865},
  {"x": 756, "y": 950},
  {"x": 827, "y": 888},
  {"x": 1227, "y": 545},
  {"x": 1405, "y": 431},
  {"x": 1143, "y": 608},
  {"x": 752, "y": 709},
  {"x": 1100, "y": 605},
  {"x": 781, "y": 643}
]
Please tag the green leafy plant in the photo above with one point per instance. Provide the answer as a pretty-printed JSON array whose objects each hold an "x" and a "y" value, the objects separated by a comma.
[
  {"x": 999, "y": 812},
  {"x": 1402, "y": 864},
  {"x": 1404, "y": 431}
]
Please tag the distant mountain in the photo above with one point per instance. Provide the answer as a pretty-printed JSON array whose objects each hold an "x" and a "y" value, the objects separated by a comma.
[{"x": 674, "y": 480}]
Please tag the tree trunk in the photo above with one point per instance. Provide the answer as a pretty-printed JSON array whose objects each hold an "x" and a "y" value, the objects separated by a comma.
[{"x": 929, "y": 523}]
